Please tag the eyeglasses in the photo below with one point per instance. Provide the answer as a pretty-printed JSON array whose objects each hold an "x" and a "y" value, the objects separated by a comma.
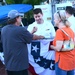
[{"x": 59, "y": 14}]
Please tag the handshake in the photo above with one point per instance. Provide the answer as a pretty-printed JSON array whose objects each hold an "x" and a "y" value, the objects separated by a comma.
[{"x": 45, "y": 33}]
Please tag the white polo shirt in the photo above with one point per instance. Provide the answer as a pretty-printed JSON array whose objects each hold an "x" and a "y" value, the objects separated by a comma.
[
  {"x": 45, "y": 29},
  {"x": 72, "y": 22}
]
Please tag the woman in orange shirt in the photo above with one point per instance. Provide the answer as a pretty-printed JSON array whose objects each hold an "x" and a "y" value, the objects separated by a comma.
[{"x": 64, "y": 60}]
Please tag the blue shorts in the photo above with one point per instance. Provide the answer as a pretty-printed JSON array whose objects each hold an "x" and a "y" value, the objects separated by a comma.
[{"x": 62, "y": 72}]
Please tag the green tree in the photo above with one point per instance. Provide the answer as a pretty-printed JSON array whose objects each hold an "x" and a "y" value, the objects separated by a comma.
[
  {"x": 32, "y": 2},
  {"x": 14, "y": 1},
  {"x": 10, "y": 2},
  {"x": 18, "y": 1}
]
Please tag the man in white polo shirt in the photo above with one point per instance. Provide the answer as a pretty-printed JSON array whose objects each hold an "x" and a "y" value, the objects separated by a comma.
[
  {"x": 40, "y": 26},
  {"x": 70, "y": 16},
  {"x": 46, "y": 29}
]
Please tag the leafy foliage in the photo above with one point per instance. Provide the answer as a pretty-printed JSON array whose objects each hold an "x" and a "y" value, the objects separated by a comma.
[
  {"x": 18, "y": 1},
  {"x": 33, "y": 2},
  {"x": 10, "y": 2}
]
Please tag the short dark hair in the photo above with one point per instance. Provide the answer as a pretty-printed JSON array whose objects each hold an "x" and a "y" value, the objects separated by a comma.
[
  {"x": 69, "y": 9},
  {"x": 37, "y": 10}
]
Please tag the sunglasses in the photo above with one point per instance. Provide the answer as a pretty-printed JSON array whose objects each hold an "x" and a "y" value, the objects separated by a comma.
[{"x": 59, "y": 14}]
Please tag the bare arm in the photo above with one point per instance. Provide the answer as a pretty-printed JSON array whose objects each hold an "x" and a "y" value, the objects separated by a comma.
[
  {"x": 58, "y": 46},
  {"x": 36, "y": 37}
]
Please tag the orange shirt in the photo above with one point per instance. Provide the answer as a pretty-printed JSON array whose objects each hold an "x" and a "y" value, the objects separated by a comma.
[{"x": 66, "y": 60}]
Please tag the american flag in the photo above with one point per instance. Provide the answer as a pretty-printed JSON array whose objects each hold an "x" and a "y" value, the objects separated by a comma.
[{"x": 41, "y": 57}]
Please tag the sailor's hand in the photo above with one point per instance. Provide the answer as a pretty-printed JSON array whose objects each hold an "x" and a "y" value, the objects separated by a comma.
[{"x": 34, "y": 30}]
